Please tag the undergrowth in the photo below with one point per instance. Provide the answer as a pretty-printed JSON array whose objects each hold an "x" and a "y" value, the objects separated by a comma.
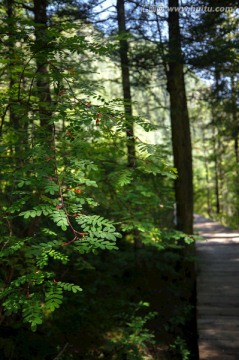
[{"x": 135, "y": 305}]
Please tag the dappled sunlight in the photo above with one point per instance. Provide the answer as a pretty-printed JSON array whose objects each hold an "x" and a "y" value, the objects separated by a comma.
[
  {"x": 222, "y": 239},
  {"x": 214, "y": 231}
]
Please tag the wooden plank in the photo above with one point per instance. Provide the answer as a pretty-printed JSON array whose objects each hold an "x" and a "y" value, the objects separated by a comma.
[
  {"x": 220, "y": 333},
  {"x": 227, "y": 321},
  {"x": 229, "y": 345},
  {"x": 208, "y": 353},
  {"x": 217, "y": 310},
  {"x": 204, "y": 300}
]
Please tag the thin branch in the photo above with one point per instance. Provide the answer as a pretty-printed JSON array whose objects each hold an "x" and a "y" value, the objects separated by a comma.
[
  {"x": 3, "y": 118},
  {"x": 76, "y": 233},
  {"x": 58, "y": 357}
]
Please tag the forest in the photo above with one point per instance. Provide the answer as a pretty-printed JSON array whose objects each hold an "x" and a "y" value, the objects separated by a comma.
[{"x": 119, "y": 120}]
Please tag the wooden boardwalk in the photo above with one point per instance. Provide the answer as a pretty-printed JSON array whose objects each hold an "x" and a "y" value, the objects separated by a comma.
[{"x": 217, "y": 291}]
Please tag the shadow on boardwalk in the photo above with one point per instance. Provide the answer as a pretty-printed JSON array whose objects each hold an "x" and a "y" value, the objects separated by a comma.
[{"x": 217, "y": 291}]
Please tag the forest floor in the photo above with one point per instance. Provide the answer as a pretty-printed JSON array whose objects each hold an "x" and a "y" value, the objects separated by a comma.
[{"x": 217, "y": 290}]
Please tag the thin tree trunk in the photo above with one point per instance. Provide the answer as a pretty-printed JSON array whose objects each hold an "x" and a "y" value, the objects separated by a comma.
[
  {"x": 181, "y": 138},
  {"x": 125, "y": 71},
  {"x": 14, "y": 121},
  {"x": 206, "y": 164},
  {"x": 124, "y": 61},
  {"x": 216, "y": 167},
  {"x": 236, "y": 147},
  {"x": 43, "y": 84},
  {"x": 217, "y": 149},
  {"x": 218, "y": 205},
  {"x": 235, "y": 125}
]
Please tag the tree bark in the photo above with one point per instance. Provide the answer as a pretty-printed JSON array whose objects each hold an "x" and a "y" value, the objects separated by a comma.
[
  {"x": 124, "y": 62},
  {"x": 207, "y": 171},
  {"x": 218, "y": 205},
  {"x": 14, "y": 119},
  {"x": 235, "y": 125},
  {"x": 180, "y": 125},
  {"x": 126, "y": 85},
  {"x": 43, "y": 84}
]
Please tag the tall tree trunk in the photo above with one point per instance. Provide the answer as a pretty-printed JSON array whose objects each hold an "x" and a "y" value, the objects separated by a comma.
[
  {"x": 124, "y": 61},
  {"x": 218, "y": 205},
  {"x": 235, "y": 125},
  {"x": 181, "y": 138},
  {"x": 43, "y": 84},
  {"x": 216, "y": 168},
  {"x": 206, "y": 165},
  {"x": 182, "y": 151},
  {"x": 216, "y": 144},
  {"x": 235, "y": 134},
  {"x": 236, "y": 148},
  {"x": 14, "y": 121}
]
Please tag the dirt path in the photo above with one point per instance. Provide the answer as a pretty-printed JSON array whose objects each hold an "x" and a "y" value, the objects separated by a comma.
[{"x": 217, "y": 291}]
